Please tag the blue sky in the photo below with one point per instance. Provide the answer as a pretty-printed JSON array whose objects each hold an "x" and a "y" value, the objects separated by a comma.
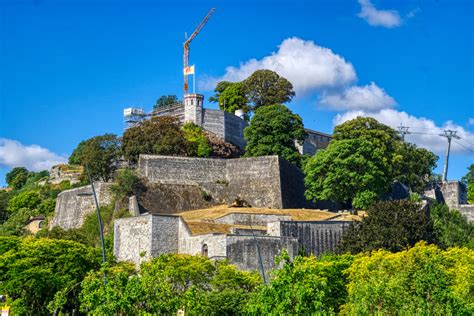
[{"x": 68, "y": 68}]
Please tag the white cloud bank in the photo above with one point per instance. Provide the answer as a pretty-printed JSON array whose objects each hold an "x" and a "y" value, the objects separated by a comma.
[
  {"x": 306, "y": 65},
  {"x": 425, "y": 131},
  {"x": 33, "y": 157},
  {"x": 384, "y": 18},
  {"x": 312, "y": 68},
  {"x": 368, "y": 97}
]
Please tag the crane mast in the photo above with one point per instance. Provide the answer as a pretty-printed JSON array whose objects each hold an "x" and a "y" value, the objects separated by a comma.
[{"x": 186, "y": 46}]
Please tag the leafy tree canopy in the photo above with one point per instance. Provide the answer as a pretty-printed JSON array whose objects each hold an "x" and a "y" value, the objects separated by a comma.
[
  {"x": 168, "y": 283},
  {"x": 304, "y": 286},
  {"x": 392, "y": 225},
  {"x": 273, "y": 130},
  {"x": 363, "y": 159},
  {"x": 265, "y": 87},
  {"x": 165, "y": 101},
  {"x": 231, "y": 97},
  {"x": 468, "y": 180},
  {"x": 158, "y": 136},
  {"x": 451, "y": 227},
  {"x": 423, "y": 280},
  {"x": 33, "y": 272},
  {"x": 100, "y": 154},
  {"x": 351, "y": 171},
  {"x": 199, "y": 145},
  {"x": 17, "y": 177}
]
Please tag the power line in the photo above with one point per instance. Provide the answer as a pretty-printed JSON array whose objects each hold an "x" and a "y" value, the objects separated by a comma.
[{"x": 459, "y": 143}]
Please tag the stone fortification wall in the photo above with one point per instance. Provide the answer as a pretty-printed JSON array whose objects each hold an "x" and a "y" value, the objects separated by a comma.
[
  {"x": 213, "y": 121},
  {"x": 255, "y": 180},
  {"x": 181, "y": 170},
  {"x": 242, "y": 250},
  {"x": 174, "y": 198},
  {"x": 266, "y": 181},
  {"x": 234, "y": 129},
  {"x": 72, "y": 207},
  {"x": 313, "y": 237},
  {"x": 225, "y": 125},
  {"x": 453, "y": 193},
  {"x": 141, "y": 238}
]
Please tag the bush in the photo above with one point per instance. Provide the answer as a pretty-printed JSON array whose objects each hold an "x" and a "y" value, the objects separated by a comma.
[
  {"x": 127, "y": 183},
  {"x": 392, "y": 225},
  {"x": 198, "y": 143},
  {"x": 451, "y": 228},
  {"x": 423, "y": 280}
]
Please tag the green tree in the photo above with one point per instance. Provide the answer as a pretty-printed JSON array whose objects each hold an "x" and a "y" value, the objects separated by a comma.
[
  {"x": 35, "y": 272},
  {"x": 416, "y": 167},
  {"x": 220, "y": 87},
  {"x": 451, "y": 227},
  {"x": 100, "y": 154},
  {"x": 273, "y": 130},
  {"x": 127, "y": 183},
  {"x": 353, "y": 171},
  {"x": 199, "y": 145},
  {"x": 265, "y": 87},
  {"x": 25, "y": 199},
  {"x": 468, "y": 180},
  {"x": 363, "y": 174},
  {"x": 304, "y": 286},
  {"x": 423, "y": 280},
  {"x": 168, "y": 283},
  {"x": 232, "y": 98},
  {"x": 165, "y": 101},
  {"x": 75, "y": 158},
  {"x": 158, "y": 136},
  {"x": 4, "y": 198},
  {"x": 17, "y": 177},
  {"x": 392, "y": 225}
]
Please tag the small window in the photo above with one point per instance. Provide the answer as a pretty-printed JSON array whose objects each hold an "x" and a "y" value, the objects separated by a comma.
[
  {"x": 192, "y": 101},
  {"x": 40, "y": 224},
  {"x": 204, "y": 251}
]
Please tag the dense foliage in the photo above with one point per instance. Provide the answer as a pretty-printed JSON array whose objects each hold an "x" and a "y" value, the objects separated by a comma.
[
  {"x": 423, "y": 280},
  {"x": 231, "y": 97},
  {"x": 468, "y": 180},
  {"x": 304, "y": 286},
  {"x": 273, "y": 130},
  {"x": 199, "y": 145},
  {"x": 393, "y": 225},
  {"x": 167, "y": 284},
  {"x": 42, "y": 275},
  {"x": 100, "y": 155},
  {"x": 451, "y": 227},
  {"x": 165, "y": 101},
  {"x": 361, "y": 162},
  {"x": 17, "y": 177},
  {"x": 265, "y": 87}
]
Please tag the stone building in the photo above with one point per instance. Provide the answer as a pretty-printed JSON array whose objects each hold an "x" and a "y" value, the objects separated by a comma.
[{"x": 244, "y": 236}]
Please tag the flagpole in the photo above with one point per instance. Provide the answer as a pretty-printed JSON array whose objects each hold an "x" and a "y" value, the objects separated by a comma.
[{"x": 194, "y": 80}]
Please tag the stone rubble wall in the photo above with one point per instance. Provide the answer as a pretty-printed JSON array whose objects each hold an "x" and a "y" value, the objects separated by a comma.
[
  {"x": 251, "y": 219},
  {"x": 453, "y": 193},
  {"x": 72, "y": 208}
]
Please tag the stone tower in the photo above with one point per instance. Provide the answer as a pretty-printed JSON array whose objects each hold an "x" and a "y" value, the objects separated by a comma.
[{"x": 193, "y": 112}]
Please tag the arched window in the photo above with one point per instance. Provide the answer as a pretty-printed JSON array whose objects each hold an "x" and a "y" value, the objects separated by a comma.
[
  {"x": 40, "y": 224},
  {"x": 204, "y": 251}
]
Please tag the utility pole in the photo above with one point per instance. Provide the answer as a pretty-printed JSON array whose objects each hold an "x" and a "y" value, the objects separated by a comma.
[
  {"x": 403, "y": 130},
  {"x": 449, "y": 134}
]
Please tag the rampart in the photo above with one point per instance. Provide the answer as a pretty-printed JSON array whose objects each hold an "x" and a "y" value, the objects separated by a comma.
[
  {"x": 266, "y": 182},
  {"x": 73, "y": 205}
]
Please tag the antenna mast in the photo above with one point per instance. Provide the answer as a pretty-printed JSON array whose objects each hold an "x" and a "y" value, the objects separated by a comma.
[{"x": 186, "y": 46}]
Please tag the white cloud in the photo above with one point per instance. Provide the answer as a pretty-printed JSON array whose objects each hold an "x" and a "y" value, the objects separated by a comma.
[
  {"x": 425, "y": 131},
  {"x": 385, "y": 18},
  {"x": 368, "y": 97},
  {"x": 306, "y": 65},
  {"x": 33, "y": 157}
]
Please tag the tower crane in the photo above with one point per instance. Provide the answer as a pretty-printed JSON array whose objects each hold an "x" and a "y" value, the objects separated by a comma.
[{"x": 186, "y": 46}]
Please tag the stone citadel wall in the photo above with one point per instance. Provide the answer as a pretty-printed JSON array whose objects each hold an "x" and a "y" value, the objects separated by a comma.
[
  {"x": 73, "y": 205},
  {"x": 266, "y": 182}
]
